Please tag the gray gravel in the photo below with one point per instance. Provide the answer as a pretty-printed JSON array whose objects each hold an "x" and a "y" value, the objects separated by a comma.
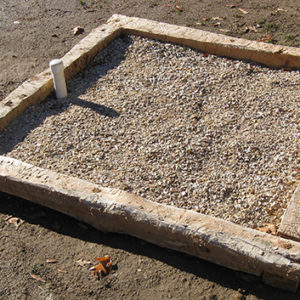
[{"x": 175, "y": 126}]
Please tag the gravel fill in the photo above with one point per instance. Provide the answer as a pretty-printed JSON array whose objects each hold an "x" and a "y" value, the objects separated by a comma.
[{"x": 175, "y": 126}]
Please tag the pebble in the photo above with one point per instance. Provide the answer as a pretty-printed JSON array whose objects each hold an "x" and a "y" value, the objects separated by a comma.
[
  {"x": 199, "y": 132},
  {"x": 238, "y": 296}
]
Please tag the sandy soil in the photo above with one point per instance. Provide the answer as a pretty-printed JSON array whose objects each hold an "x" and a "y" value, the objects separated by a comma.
[{"x": 34, "y": 32}]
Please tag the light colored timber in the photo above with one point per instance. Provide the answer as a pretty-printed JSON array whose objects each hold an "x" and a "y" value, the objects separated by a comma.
[
  {"x": 213, "y": 43},
  {"x": 273, "y": 258},
  {"x": 290, "y": 224},
  {"x": 39, "y": 87}
]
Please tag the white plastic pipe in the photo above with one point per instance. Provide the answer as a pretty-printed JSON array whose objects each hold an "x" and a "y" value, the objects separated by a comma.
[{"x": 59, "y": 81}]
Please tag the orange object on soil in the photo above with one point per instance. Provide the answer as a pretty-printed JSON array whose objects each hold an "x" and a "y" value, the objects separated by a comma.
[{"x": 104, "y": 266}]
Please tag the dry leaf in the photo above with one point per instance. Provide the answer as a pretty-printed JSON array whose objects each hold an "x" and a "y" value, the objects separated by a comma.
[
  {"x": 266, "y": 38},
  {"x": 281, "y": 9},
  {"x": 105, "y": 266},
  {"x": 103, "y": 259},
  {"x": 51, "y": 261},
  {"x": 15, "y": 221},
  {"x": 83, "y": 263},
  {"x": 98, "y": 269},
  {"x": 216, "y": 24},
  {"x": 78, "y": 30},
  {"x": 243, "y": 11},
  {"x": 37, "y": 277},
  {"x": 230, "y": 5},
  {"x": 217, "y": 19},
  {"x": 269, "y": 228},
  {"x": 62, "y": 271}
]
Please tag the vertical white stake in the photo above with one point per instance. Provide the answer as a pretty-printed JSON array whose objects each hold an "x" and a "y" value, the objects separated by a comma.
[{"x": 59, "y": 81}]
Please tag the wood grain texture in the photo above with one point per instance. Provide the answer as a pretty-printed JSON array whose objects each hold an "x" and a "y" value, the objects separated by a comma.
[
  {"x": 290, "y": 224},
  {"x": 40, "y": 86},
  {"x": 274, "y": 259},
  {"x": 213, "y": 43}
]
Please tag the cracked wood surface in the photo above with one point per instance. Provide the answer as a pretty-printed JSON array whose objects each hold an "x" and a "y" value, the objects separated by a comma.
[
  {"x": 40, "y": 86},
  {"x": 273, "y": 258},
  {"x": 236, "y": 247},
  {"x": 290, "y": 224}
]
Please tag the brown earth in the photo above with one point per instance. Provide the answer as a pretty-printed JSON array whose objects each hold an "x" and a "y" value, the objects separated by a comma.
[{"x": 34, "y": 32}]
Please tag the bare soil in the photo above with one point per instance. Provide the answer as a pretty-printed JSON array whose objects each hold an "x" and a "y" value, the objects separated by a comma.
[{"x": 34, "y": 32}]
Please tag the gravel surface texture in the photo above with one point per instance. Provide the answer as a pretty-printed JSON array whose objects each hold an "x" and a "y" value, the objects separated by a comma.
[{"x": 175, "y": 126}]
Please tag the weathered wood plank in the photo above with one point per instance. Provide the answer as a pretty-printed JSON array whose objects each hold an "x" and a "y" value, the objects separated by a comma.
[
  {"x": 38, "y": 88},
  {"x": 275, "y": 259},
  {"x": 213, "y": 43},
  {"x": 290, "y": 224}
]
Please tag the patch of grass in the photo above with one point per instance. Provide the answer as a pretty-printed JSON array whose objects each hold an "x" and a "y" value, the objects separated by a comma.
[
  {"x": 271, "y": 27},
  {"x": 95, "y": 2},
  {"x": 174, "y": 10},
  {"x": 82, "y": 2},
  {"x": 177, "y": 11},
  {"x": 272, "y": 41},
  {"x": 290, "y": 37}
]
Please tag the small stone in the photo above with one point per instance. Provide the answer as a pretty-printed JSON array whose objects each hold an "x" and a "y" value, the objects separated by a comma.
[
  {"x": 78, "y": 30},
  {"x": 238, "y": 296}
]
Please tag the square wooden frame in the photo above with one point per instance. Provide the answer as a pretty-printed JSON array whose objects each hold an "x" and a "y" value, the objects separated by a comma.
[{"x": 275, "y": 259}]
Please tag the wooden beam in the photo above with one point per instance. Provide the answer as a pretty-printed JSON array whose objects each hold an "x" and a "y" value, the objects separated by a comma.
[
  {"x": 212, "y": 43},
  {"x": 273, "y": 258},
  {"x": 290, "y": 224},
  {"x": 40, "y": 86}
]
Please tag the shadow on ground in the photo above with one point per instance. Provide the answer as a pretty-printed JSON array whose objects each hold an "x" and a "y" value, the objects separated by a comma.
[
  {"x": 34, "y": 116},
  {"x": 64, "y": 225}
]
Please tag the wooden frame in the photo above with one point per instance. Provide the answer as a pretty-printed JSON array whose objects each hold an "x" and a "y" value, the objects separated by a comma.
[{"x": 275, "y": 259}]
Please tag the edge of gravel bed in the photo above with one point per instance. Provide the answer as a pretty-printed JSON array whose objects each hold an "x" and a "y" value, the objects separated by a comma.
[
  {"x": 233, "y": 246},
  {"x": 290, "y": 223},
  {"x": 273, "y": 258},
  {"x": 39, "y": 87}
]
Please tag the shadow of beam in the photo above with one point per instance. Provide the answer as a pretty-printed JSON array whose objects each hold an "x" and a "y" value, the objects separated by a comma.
[
  {"x": 107, "y": 59},
  {"x": 65, "y": 225}
]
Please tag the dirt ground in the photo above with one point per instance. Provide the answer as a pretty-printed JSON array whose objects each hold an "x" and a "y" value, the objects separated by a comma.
[{"x": 34, "y": 32}]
